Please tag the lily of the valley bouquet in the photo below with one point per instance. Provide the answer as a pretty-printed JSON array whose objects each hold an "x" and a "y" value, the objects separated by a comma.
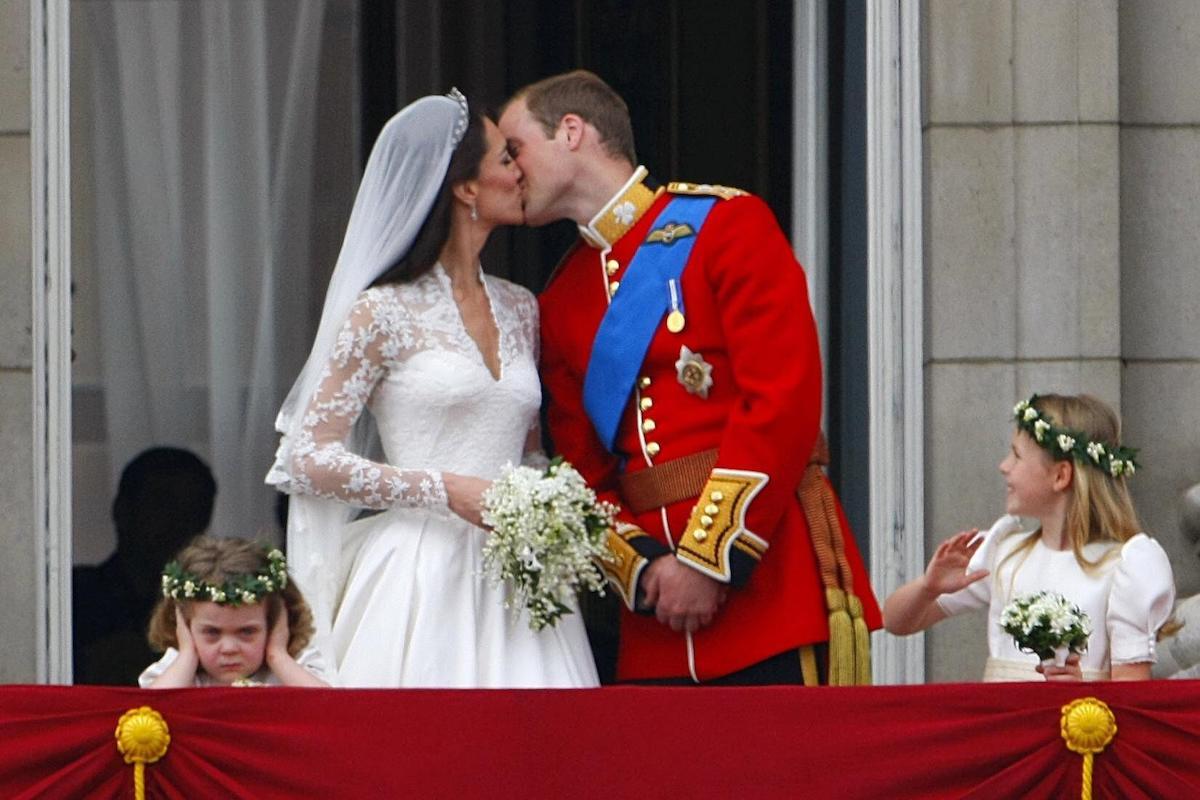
[
  {"x": 1047, "y": 624},
  {"x": 548, "y": 529}
]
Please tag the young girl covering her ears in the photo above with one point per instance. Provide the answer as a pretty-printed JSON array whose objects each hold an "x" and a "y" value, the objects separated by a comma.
[
  {"x": 1066, "y": 471},
  {"x": 231, "y": 616}
]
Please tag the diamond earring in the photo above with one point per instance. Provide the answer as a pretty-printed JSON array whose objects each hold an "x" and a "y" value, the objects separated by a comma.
[{"x": 474, "y": 212}]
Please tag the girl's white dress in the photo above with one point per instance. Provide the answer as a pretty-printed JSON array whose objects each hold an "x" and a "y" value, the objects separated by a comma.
[
  {"x": 308, "y": 658},
  {"x": 1127, "y": 597},
  {"x": 416, "y": 609}
]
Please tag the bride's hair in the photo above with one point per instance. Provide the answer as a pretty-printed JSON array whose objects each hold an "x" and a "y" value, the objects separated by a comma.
[{"x": 464, "y": 166}]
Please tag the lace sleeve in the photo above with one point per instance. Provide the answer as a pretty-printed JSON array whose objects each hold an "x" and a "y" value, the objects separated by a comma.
[{"x": 322, "y": 463}]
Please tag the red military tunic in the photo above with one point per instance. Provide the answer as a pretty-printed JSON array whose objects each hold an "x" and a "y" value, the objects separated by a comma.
[{"x": 750, "y": 326}]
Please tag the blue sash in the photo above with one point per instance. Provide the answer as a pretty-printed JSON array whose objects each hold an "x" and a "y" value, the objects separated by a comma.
[{"x": 635, "y": 313}]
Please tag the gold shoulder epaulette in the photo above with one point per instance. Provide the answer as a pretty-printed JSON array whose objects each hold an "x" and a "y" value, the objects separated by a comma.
[{"x": 723, "y": 192}]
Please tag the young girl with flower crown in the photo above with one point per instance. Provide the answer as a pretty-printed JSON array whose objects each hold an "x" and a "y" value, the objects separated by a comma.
[
  {"x": 1067, "y": 471},
  {"x": 230, "y": 615}
]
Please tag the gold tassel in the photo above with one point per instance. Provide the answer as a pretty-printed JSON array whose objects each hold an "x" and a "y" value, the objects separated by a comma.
[
  {"x": 841, "y": 639},
  {"x": 862, "y": 642},
  {"x": 143, "y": 738},
  {"x": 1087, "y": 725}
]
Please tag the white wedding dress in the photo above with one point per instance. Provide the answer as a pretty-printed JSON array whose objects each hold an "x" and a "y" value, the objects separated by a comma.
[{"x": 415, "y": 609}]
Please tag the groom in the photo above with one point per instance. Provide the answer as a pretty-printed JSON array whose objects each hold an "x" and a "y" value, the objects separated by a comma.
[{"x": 681, "y": 364}]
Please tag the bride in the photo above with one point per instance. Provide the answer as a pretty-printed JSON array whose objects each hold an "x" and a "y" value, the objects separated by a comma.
[{"x": 445, "y": 359}]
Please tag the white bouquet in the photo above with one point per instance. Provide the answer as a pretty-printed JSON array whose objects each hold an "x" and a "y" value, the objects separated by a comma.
[
  {"x": 548, "y": 529},
  {"x": 1048, "y": 624}
]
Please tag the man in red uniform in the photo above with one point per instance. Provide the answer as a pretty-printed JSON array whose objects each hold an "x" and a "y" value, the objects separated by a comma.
[{"x": 691, "y": 397}]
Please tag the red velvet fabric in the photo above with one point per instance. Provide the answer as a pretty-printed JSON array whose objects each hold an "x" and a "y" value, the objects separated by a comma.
[{"x": 963, "y": 740}]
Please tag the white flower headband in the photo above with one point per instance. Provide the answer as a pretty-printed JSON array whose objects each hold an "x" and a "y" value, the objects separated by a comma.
[
  {"x": 1063, "y": 443},
  {"x": 237, "y": 590}
]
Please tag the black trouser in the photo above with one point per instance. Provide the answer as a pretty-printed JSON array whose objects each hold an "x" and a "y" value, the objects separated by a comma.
[{"x": 783, "y": 668}]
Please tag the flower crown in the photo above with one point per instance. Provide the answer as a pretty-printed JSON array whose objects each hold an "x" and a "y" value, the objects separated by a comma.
[
  {"x": 247, "y": 588},
  {"x": 1064, "y": 443}
]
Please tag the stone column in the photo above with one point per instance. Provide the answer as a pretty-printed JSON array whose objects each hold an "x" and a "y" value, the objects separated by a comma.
[
  {"x": 1160, "y": 263},
  {"x": 1022, "y": 252},
  {"x": 18, "y": 659}
]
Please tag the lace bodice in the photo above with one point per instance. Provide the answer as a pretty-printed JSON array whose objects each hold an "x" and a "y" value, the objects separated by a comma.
[{"x": 405, "y": 354}]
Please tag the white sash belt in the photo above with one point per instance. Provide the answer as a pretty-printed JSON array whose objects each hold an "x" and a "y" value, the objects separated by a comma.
[{"x": 998, "y": 670}]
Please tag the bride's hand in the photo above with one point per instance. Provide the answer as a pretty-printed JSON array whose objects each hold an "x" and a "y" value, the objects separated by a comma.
[{"x": 464, "y": 495}]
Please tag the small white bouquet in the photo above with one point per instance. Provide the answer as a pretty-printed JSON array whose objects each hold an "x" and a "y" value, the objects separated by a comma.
[
  {"x": 548, "y": 529},
  {"x": 1047, "y": 624}
]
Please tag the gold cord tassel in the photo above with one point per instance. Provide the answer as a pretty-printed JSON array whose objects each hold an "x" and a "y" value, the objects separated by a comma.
[
  {"x": 142, "y": 738},
  {"x": 1087, "y": 726},
  {"x": 862, "y": 642},
  {"x": 849, "y": 638},
  {"x": 841, "y": 639}
]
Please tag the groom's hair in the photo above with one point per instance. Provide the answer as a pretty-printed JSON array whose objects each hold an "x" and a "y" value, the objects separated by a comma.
[{"x": 583, "y": 93}]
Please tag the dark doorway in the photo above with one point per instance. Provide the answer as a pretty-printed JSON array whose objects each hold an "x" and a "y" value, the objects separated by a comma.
[
  {"x": 846, "y": 364},
  {"x": 709, "y": 85}
]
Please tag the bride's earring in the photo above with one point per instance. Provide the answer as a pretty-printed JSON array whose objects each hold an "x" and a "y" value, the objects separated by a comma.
[{"x": 474, "y": 212}]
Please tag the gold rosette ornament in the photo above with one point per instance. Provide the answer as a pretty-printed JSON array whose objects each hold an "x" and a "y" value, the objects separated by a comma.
[
  {"x": 143, "y": 738},
  {"x": 1088, "y": 725}
]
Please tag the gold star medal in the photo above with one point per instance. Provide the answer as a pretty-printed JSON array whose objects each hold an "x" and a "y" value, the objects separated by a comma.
[{"x": 693, "y": 372}]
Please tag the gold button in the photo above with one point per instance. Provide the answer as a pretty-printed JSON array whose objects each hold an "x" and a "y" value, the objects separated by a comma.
[
  {"x": 699, "y": 535},
  {"x": 711, "y": 509},
  {"x": 652, "y": 448},
  {"x": 612, "y": 287},
  {"x": 644, "y": 382},
  {"x": 645, "y": 403},
  {"x": 717, "y": 497},
  {"x": 648, "y": 425},
  {"x": 612, "y": 266},
  {"x": 706, "y": 520}
]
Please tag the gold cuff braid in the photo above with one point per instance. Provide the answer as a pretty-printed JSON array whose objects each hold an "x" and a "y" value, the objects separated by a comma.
[
  {"x": 626, "y": 564},
  {"x": 719, "y": 520}
]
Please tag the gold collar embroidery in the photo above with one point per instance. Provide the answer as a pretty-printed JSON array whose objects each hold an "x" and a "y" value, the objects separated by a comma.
[{"x": 620, "y": 213}]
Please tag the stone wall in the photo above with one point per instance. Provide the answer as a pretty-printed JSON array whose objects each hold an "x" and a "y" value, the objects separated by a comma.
[
  {"x": 1062, "y": 168},
  {"x": 18, "y": 657},
  {"x": 1023, "y": 269},
  {"x": 1160, "y": 262}
]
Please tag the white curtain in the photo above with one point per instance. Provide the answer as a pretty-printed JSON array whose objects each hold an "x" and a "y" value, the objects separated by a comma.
[{"x": 204, "y": 130}]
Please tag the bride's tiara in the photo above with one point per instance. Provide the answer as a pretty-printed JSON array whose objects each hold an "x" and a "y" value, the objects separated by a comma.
[{"x": 464, "y": 116}]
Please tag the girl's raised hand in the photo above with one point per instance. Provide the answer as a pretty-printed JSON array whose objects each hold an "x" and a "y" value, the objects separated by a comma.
[
  {"x": 183, "y": 633},
  {"x": 947, "y": 570}
]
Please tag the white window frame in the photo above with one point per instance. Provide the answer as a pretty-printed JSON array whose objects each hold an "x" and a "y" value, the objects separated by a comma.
[
  {"x": 895, "y": 323},
  {"x": 50, "y": 93},
  {"x": 894, "y": 280}
]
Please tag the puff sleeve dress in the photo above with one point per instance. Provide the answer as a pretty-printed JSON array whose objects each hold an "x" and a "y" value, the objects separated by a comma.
[{"x": 1127, "y": 596}]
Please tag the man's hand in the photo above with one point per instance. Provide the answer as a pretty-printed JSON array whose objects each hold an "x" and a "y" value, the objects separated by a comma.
[{"x": 683, "y": 598}]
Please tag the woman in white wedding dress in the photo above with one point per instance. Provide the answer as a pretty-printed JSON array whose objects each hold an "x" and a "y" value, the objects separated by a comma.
[{"x": 445, "y": 359}]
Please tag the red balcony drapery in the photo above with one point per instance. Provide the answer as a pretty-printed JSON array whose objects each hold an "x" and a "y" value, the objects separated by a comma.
[{"x": 959, "y": 740}]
